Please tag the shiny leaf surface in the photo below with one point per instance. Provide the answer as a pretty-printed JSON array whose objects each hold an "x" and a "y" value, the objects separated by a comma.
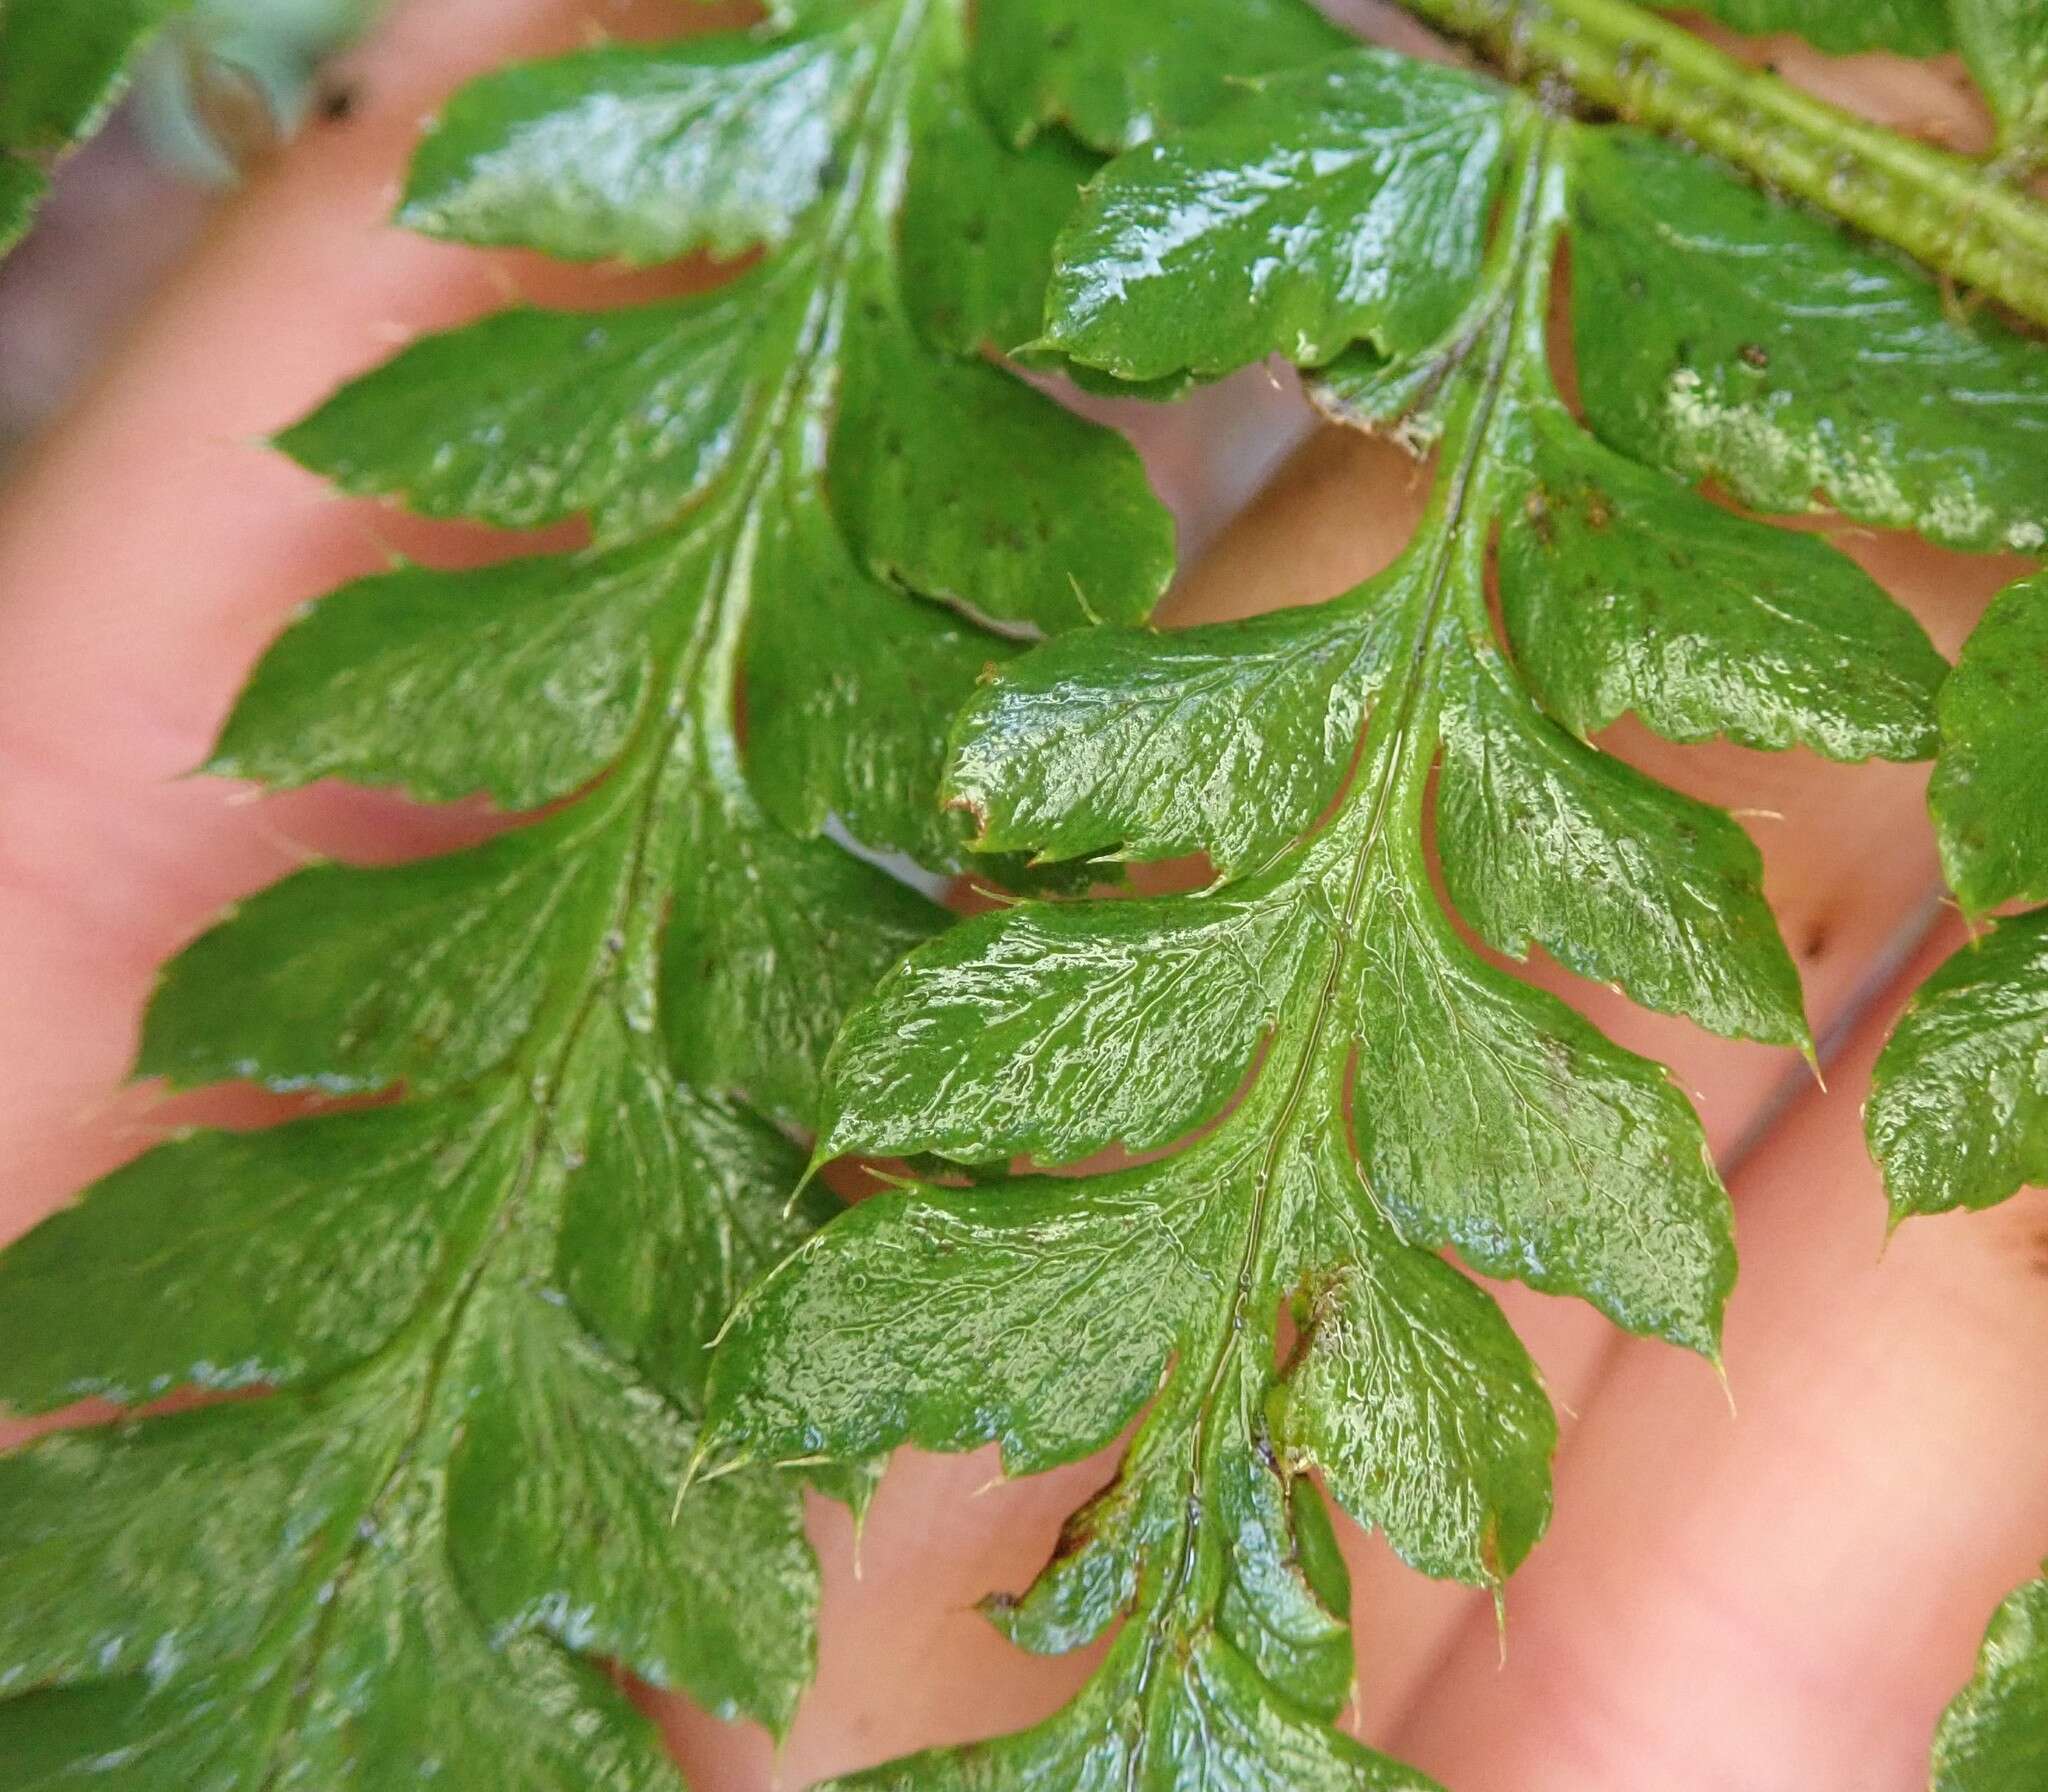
[
  {"x": 1986, "y": 791},
  {"x": 1958, "y": 1109},
  {"x": 1724, "y": 335},
  {"x": 1340, "y": 203},
  {"x": 1994, "y": 1738},
  {"x": 1338, "y": 1085},
  {"x": 1958, "y": 1113},
  {"x": 643, "y": 155}
]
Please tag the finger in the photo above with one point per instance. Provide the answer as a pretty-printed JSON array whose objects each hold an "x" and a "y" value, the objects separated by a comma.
[
  {"x": 1784, "y": 1599},
  {"x": 1850, "y": 871}
]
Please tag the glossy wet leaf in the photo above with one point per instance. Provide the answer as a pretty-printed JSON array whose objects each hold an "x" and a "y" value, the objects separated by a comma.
[
  {"x": 532, "y": 416},
  {"x": 1339, "y": 203},
  {"x": 964, "y": 484},
  {"x": 435, "y": 661},
  {"x": 1067, "y": 1002},
  {"x": 980, "y": 219},
  {"x": 1147, "y": 746},
  {"x": 1987, "y": 786},
  {"x": 1545, "y": 840},
  {"x": 561, "y": 1518},
  {"x": 1328, "y": 1087},
  {"x": 1722, "y": 334},
  {"x": 772, "y": 940},
  {"x": 269, "y": 1258},
  {"x": 592, "y": 1038},
  {"x": 1414, "y": 1397},
  {"x": 1488, "y": 1116},
  {"x": 1958, "y": 1109},
  {"x": 350, "y": 981},
  {"x": 1958, "y": 1113},
  {"x": 814, "y": 441},
  {"x": 643, "y": 155},
  {"x": 366, "y": 1680},
  {"x": 859, "y": 742},
  {"x": 1626, "y": 593},
  {"x": 1994, "y": 1738}
]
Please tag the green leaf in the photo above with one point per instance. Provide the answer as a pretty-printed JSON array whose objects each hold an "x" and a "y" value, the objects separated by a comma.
[
  {"x": 328, "y": 1498},
  {"x": 642, "y": 155},
  {"x": 269, "y": 1258},
  {"x": 177, "y": 1509},
  {"x": 1842, "y": 27},
  {"x": 962, "y": 483},
  {"x": 561, "y": 1518},
  {"x": 2005, "y": 42},
  {"x": 678, "y": 1204},
  {"x": 525, "y": 1709},
  {"x": 1986, "y": 791},
  {"x": 858, "y": 741},
  {"x": 828, "y": 389},
  {"x": 350, "y": 981},
  {"x": 1622, "y": 880},
  {"x": 370, "y": 1678},
  {"x": 533, "y": 416},
  {"x": 1127, "y": 1024},
  {"x": 1119, "y": 75},
  {"x": 1491, "y": 1118},
  {"x": 1627, "y": 593},
  {"x": 1228, "y": 739},
  {"x": 1994, "y": 1738},
  {"x": 986, "y": 1276},
  {"x": 1286, "y": 1608},
  {"x": 61, "y": 70},
  {"x": 404, "y": 679},
  {"x": 1724, "y": 335},
  {"x": 1413, "y": 1396},
  {"x": 1958, "y": 1110},
  {"x": 1041, "y": 1314},
  {"x": 1337, "y": 1086},
  {"x": 980, "y": 219},
  {"x": 773, "y": 938},
  {"x": 1265, "y": 231},
  {"x": 1206, "y": 1723}
]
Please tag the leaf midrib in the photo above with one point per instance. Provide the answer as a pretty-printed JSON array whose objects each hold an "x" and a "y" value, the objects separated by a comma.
[
  {"x": 1412, "y": 688},
  {"x": 706, "y": 668}
]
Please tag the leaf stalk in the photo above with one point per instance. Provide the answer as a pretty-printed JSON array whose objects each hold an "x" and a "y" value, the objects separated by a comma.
[{"x": 1949, "y": 212}]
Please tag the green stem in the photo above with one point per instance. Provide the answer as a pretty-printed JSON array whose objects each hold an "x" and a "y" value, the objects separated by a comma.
[{"x": 1946, "y": 211}]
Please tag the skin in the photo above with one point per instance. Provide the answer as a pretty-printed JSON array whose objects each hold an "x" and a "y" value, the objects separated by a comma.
[{"x": 1778, "y": 1596}]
